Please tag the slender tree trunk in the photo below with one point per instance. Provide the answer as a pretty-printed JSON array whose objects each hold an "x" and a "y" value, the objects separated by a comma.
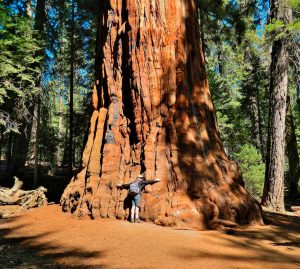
[
  {"x": 9, "y": 150},
  {"x": 152, "y": 113},
  {"x": 33, "y": 152},
  {"x": 21, "y": 142},
  {"x": 220, "y": 63},
  {"x": 261, "y": 123},
  {"x": 252, "y": 92},
  {"x": 31, "y": 147},
  {"x": 292, "y": 152},
  {"x": 273, "y": 195},
  {"x": 40, "y": 21},
  {"x": 255, "y": 120},
  {"x": 36, "y": 144},
  {"x": 253, "y": 102},
  {"x": 60, "y": 131},
  {"x": 1, "y": 141},
  {"x": 65, "y": 156},
  {"x": 71, "y": 106},
  {"x": 20, "y": 146}
]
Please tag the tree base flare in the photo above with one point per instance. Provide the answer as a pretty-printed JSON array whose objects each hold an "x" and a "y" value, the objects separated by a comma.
[{"x": 209, "y": 206}]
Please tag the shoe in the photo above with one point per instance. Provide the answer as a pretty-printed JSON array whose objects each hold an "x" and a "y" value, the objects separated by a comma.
[
  {"x": 132, "y": 220},
  {"x": 138, "y": 221}
]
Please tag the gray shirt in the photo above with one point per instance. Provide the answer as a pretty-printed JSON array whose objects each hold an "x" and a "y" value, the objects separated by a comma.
[{"x": 142, "y": 184}]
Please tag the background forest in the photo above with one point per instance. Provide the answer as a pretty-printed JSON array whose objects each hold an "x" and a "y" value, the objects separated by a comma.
[{"x": 47, "y": 72}]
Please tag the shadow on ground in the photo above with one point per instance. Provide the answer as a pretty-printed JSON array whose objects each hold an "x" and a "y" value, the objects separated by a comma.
[
  {"x": 276, "y": 244},
  {"x": 24, "y": 252}
]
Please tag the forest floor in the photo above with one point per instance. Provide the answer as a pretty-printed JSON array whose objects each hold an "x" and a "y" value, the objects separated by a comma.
[{"x": 47, "y": 238}]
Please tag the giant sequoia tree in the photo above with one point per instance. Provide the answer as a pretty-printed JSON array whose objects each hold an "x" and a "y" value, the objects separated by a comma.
[{"x": 152, "y": 113}]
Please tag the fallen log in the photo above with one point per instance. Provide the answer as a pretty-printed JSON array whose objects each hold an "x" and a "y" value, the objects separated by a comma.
[
  {"x": 25, "y": 199},
  {"x": 295, "y": 208}
]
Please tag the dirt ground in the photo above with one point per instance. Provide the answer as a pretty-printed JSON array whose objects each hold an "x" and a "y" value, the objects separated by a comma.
[{"x": 47, "y": 238}]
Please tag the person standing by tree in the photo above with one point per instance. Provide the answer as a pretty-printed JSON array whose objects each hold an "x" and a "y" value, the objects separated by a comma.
[{"x": 134, "y": 192}]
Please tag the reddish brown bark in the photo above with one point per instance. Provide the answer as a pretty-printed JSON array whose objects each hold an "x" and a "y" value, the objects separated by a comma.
[{"x": 152, "y": 113}]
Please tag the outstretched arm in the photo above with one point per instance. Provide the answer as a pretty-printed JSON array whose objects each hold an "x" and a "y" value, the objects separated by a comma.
[
  {"x": 123, "y": 186},
  {"x": 147, "y": 182}
]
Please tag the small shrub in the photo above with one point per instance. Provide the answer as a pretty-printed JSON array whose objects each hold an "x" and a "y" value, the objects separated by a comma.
[{"x": 253, "y": 169}]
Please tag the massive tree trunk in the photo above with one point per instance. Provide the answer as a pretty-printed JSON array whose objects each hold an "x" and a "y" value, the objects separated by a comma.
[
  {"x": 273, "y": 195},
  {"x": 152, "y": 113}
]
